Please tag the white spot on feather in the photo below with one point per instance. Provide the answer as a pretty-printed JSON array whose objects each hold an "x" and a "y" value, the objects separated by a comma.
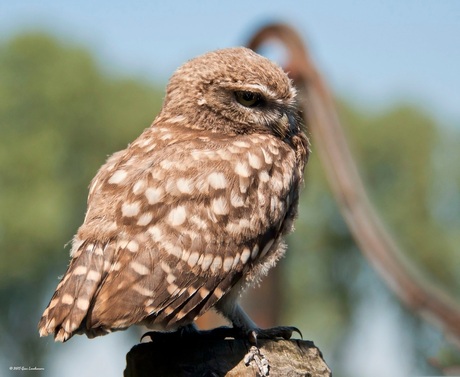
[
  {"x": 242, "y": 169},
  {"x": 172, "y": 288},
  {"x": 93, "y": 275},
  {"x": 68, "y": 327},
  {"x": 154, "y": 194},
  {"x": 220, "y": 206},
  {"x": 236, "y": 260},
  {"x": 132, "y": 246},
  {"x": 184, "y": 185},
  {"x": 177, "y": 119},
  {"x": 236, "y": 200},
  {"x": 156, "y": 233},
  {"x": 166, "y": 137},
  {"x": 173, "y": 249},
  {"x": 228, "y": 263},
  {"x": 67, "y": 299},
  {"x": 217, "y": 180},
  {"x": 244, "y": 223},
  {"x": 165, "y": 267},
  {"x": 216, "y": 264},
  {"x": 277, "y": 181},
  {"x": 118, "y": 177},
  {"x": 263, "y": 176},
  {"x": 143, "y": 290},
  {"x": 177, "y": 216},
  {"x": 245, "y": 255},
  {"x": 139, "y": 187},
  {"x": 218, "y": 292},
  {"x": 232, "y": 228},
  {"x": 203, "y": 292},
  {"x": 82, "y": 303},
  {"x": 80, "y": 270},
  {"x": 53, "y": 303},
  {"x": 241, "y": 144},
  {"x": 273, "y": 148},
  {"x": 130, "y": 209},
  {"x": 145, "y": 219},
  {"x": 139, "y": 268},
  {"x": 254, "y": 160},
  {"x": 234, "y": 149},
  {"x": 166, "y": 164},
  {"x": 207, "y": 260},
  {"x": 193, "y": 259},
  {"x": 267, "y": 156},
  {"x": 224, "y": 154}
]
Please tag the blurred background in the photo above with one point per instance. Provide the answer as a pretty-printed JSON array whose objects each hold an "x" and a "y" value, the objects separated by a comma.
[{"x": 80, "y": 80}]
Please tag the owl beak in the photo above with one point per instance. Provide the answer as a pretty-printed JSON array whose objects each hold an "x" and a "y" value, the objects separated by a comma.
[
  {"x": 293, "y": 120},
  {"x": 281, "y": 127},
  {"x": 286, "y": 125}
]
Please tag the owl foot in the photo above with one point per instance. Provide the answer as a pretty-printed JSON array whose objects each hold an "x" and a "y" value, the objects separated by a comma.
[
  {"x": 191, "y": 332},
  {"x": 280, "y": 332},
  {"x": 254, "y": 356},
  {"x": 284, "y": 332}
]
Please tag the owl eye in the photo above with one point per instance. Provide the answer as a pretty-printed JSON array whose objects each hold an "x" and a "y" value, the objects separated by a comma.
[{"x": 248, "y": 99}]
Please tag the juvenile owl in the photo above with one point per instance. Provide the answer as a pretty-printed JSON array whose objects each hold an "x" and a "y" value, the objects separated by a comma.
[{"x": 194, "y": 210}]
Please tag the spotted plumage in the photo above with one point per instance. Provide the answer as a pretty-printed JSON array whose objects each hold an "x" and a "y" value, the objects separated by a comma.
[{"x": 194, "y": 209}]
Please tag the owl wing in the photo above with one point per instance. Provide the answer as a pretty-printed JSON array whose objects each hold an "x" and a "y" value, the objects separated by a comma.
[{"x": 177, "y": 223}]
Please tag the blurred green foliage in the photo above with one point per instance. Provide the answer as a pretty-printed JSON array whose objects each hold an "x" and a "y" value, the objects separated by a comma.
[{"x": 61, "y": 115}]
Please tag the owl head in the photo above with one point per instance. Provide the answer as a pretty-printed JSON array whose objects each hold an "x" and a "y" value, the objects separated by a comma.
[{"x": 234, "y": 91}]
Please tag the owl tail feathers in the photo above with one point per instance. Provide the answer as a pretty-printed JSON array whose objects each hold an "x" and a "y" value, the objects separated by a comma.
[{"x": 69, "y": 305}]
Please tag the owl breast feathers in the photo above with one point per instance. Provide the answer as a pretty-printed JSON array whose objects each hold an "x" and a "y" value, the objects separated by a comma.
[{"x": 194, "y": 209}]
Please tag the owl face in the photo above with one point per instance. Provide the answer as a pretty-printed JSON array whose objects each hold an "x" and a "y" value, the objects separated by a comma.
[{"x": 234, "y": 91}]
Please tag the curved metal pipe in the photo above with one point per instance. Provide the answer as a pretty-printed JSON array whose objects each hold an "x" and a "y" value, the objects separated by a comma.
[{"x": 373, "y": 239}]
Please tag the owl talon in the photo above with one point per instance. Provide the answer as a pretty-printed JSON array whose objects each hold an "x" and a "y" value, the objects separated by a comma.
[{"x": 284, "y": 332}]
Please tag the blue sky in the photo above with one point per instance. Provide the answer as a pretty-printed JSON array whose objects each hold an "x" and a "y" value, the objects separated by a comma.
[{"x": 373, "y": 52}]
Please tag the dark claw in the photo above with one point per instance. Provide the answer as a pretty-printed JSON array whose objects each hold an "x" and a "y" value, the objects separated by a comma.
[
  {"x": 151, "y": 334},
  {"x": 284, "y": 332}
]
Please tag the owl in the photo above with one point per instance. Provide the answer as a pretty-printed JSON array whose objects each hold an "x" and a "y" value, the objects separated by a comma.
[{"x": 194, "y": 210}]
